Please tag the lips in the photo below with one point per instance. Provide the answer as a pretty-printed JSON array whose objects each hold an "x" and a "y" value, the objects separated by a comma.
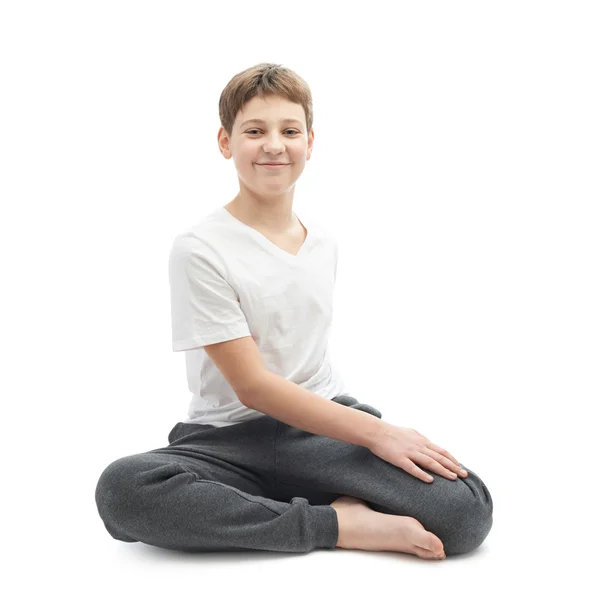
[{"x": 273, "y": 168}]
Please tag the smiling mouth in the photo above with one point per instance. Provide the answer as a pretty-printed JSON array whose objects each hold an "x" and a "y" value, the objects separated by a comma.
[{"x": 273, "y": 167}]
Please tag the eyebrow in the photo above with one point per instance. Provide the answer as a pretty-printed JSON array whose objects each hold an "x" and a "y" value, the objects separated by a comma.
[{"x": 289, "y": 120}]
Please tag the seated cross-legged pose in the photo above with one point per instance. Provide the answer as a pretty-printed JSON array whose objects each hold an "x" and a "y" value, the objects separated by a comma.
[{"x": 275, "y": 453}]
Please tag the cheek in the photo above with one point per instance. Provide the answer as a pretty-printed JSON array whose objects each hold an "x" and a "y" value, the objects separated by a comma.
[{"x": 247, "y": 157}]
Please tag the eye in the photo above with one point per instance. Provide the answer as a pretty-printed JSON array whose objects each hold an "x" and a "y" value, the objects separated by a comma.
[{"x": 292, "y": 130}]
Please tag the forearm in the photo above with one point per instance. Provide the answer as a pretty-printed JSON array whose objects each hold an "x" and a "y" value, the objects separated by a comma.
[{"x": 292, "y": 404}]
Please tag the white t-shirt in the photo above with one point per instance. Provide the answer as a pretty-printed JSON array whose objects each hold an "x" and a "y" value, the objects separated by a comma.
[{"x": 229, "y": 281}]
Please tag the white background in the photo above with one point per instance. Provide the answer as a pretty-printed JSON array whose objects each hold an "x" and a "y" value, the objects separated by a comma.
[{"x": 456, "y": 161}]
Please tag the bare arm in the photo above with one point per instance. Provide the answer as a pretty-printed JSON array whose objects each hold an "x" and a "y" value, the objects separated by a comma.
[
  {"x": 286, "y": 401},
  {"x": 256, "y": 387}
]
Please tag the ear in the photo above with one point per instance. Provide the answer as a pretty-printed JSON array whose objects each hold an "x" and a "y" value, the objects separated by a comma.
[
  {"x": 311, "y": 139},
  {"x": 223, "y": 142}
]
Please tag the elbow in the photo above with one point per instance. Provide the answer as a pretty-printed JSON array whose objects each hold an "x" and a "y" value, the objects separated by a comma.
[{"x": 253, "y": 389}]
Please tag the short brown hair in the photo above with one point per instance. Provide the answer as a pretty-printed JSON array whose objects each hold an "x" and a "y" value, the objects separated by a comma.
[{"x": 262, "y": 80}]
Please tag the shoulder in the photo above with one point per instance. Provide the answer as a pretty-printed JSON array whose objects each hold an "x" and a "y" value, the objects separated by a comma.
[{"x": 204, "y": 236}]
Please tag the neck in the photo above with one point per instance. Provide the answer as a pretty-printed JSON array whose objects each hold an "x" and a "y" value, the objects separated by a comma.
[{"x": 273, "y": 214}]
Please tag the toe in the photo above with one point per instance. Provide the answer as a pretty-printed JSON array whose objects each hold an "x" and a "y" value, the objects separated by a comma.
[
  {"x": 435, "y": 544},
  {"x": 430, "y": 542},
  {"x": 428, "y": 554}
]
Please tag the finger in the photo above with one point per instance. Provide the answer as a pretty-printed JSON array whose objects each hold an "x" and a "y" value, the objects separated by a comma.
[
  {"x": 433, "y": 465},
  {"x": 412, "y": 469},
  {"x": 446, "y": 462},
  {"x": 437, "y": 448},
  {"x": 442, "y": 451}
]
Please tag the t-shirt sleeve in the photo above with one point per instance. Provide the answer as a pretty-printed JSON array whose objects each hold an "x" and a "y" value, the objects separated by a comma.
[
  {"x": 204, "y": 307},
  {"x": 335, "y": 245}
]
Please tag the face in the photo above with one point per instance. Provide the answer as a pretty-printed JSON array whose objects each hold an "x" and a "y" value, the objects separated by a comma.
[{"x": 276, "y": 133}]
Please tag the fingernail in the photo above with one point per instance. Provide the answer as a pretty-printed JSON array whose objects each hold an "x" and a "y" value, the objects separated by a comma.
[{"x": 463, "y": 472}]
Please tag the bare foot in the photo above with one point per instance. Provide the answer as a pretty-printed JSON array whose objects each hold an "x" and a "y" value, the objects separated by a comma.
[{"x": 361, "y": 528}]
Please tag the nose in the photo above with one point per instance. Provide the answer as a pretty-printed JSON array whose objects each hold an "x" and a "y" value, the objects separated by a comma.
[{"x": 273, "y": 144}]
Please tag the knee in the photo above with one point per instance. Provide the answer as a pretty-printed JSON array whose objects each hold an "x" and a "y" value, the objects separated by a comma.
[
  {"x": 113, "y": 495},
  {"x": 367, "y": 408},
  {"x": 122, "y": 493},
  {"x": 351, "y": 402},
  {"x": 468, "y": 515}
]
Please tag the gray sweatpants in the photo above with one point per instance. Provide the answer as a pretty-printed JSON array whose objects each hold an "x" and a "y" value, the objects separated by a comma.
[{"x": 264, "y": 485}]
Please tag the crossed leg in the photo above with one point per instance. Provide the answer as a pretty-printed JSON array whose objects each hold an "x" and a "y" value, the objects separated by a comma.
[{"x": 458, "y": 512}]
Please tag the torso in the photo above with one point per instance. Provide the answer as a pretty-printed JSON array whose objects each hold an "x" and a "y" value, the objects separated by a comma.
[{"x": 289, "y": 243}]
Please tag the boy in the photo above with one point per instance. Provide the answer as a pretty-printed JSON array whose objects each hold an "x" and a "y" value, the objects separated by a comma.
[{"x": 275, "y": 455}]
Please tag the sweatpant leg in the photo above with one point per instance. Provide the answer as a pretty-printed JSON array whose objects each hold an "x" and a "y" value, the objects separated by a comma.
[
  {"x": 320, "y": 468},
  {"x": 206, "y": 491}
]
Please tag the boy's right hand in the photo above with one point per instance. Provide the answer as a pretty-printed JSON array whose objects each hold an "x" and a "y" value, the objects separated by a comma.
[{"x": 403, "y": 447}]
